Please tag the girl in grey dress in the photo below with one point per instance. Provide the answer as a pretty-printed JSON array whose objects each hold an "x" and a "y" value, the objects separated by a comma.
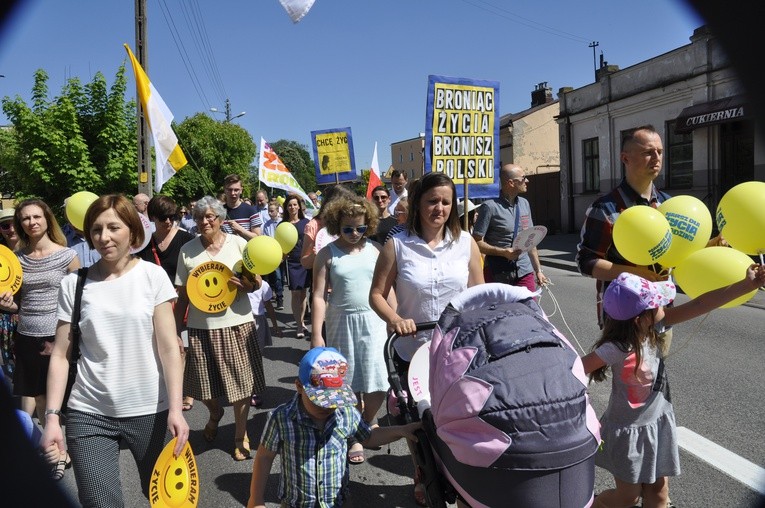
[{"x": 638, "y": 427}]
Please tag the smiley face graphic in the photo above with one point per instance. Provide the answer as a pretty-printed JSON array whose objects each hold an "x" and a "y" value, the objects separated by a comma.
[
  {"x": 208, "y": 287},
  {"x": 174, "y": 480},
  {"x": 10, "y": 270}
]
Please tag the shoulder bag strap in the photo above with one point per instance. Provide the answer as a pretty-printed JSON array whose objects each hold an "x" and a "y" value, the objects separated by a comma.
[{"x": 82, "y": 274}]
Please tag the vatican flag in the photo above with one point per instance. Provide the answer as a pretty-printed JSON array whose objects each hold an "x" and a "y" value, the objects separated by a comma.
[{"x": 169, "y": 156}]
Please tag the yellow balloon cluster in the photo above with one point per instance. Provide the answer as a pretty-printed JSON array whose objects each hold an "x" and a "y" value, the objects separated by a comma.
[
  {"x": 287, "y": 236},
  {"x": 642, "y": 235},
  {"x": 262, "y": 255},
  {"x": 691, "y": 225},
  {"x": 741, "y": 217},
  {"x": 713, "y": 268},
  {"x": 77, "y": 206}
]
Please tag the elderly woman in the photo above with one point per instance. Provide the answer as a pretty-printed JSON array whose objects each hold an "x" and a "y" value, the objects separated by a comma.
[
  {"x": 128, "y": 385},
  {"x": 224, "y": 359}
]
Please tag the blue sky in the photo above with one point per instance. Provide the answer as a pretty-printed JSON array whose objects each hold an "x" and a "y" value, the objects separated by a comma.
[{"x": 349, "y": 63}]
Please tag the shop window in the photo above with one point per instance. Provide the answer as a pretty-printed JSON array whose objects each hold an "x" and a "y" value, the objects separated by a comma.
[
  {"x": 678, "y": 158},
  {"x": 591, "y": 164}
]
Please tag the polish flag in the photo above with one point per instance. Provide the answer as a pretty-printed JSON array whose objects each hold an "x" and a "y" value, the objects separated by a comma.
[{"x": 374, "y": 174}]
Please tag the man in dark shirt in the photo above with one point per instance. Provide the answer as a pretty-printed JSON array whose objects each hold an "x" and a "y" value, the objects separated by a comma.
[{"x": 241, "y": 218}]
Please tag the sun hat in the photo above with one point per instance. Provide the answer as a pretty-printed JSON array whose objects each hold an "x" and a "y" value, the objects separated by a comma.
[
  {"x": 322, "y": 374},
  {"x": 7, "y": 214},
  {"x": 628, "y": 295},
  {"x": 461, "y": 207}
]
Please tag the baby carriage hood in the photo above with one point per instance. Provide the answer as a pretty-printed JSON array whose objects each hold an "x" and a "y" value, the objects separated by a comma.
[{"x": 507, "y": 389}]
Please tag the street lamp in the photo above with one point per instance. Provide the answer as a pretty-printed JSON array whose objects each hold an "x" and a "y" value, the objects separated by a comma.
[{"x": 228, "y": 111}]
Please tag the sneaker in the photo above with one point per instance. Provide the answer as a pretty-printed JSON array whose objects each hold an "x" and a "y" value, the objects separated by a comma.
[{"x": 279, "y": 305}]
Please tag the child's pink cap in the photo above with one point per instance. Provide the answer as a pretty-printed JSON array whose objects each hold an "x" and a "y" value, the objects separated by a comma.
[{"x": 628, "y": 295}]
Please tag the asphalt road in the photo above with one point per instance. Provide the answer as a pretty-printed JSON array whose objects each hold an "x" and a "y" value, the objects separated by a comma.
[{"x": 715, "y": 373}]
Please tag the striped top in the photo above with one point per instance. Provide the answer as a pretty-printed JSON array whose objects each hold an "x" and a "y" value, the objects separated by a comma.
[
  {"x": 313, "y": 460},
  {"x": 38, "y": 296}
]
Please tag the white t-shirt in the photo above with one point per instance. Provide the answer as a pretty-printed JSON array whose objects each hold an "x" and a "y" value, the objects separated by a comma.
[
  {"x": 259, "y": 297},
  {"x": 119, "y": 373},
  {"x": 428, "y": 279}
]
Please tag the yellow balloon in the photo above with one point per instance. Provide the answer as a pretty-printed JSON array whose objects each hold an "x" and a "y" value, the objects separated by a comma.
[
  {"x": 262, "y": 255},
  {"x": 741, "y": 217},
  {"x": 691, "y": 225},
  {"x": 280, "y": 200},
  {"x": 642, "y": 235},
  {"x": 76, "y": 207},
  {"x": 713, "y": 268},
  {"x": 287, "y": 236}
]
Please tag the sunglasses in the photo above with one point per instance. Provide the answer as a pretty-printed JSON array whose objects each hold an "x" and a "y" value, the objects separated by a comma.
[
  {"x": 380, "y": 198},
  {"x": 349, "y": 230},
  {"x": 6, "y": 226},
  {"x": 164, "y": 217}
]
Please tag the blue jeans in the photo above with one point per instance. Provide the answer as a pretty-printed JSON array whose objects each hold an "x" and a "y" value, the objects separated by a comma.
[{"x": 276, "y": 283}]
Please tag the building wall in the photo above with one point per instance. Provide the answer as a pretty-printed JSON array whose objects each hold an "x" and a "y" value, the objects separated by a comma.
[
  {"x": 407, "y": 156},
  {"x": 651, "y": 92}
]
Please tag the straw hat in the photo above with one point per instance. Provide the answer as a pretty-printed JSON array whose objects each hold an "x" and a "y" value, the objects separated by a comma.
[
  {"x": 461, "y": 207},
  {"x": 7, "y": 214}
]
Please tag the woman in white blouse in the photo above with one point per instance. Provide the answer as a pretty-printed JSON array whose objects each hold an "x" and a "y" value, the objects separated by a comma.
[{"x": 428, "y": 263}]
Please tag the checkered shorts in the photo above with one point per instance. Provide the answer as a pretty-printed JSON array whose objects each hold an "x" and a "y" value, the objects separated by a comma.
[{"x": 225, "y": 362}]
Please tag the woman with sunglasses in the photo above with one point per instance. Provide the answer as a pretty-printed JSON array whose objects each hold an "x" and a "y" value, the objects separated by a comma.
[
  {"x": 381, "y": 198},
  {"x": 165, "y": 245},
  {"x": 352, "y": 327},
  {"x": 8, "y": 321},
  {"x": 298, "y": 277},
  {"x": 429, "y": 263}
]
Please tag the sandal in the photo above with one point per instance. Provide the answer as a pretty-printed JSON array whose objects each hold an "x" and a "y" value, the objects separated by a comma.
[
  {"x": 57, "y": 471},
  {"x": 355, "y": 457},
  {"x": 211, "y": 429},
  {"x": 255, "y": 400},
  {"x": 241, "y": 449},
  {"x": 188, "y": 406}
]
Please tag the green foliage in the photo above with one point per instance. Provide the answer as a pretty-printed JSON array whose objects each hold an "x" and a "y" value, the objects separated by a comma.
[
  {"x": 214, "y": 149},
  {"x": 83, "y": 139},
  {"x": 297, "y": 159},
  {"x": 360, "y": 186}
]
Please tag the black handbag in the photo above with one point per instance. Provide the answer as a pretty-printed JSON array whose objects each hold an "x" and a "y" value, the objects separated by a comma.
[{"x": 74, "y": 333}]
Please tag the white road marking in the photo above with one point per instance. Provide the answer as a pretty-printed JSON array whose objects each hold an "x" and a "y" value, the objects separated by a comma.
[{"x": 738, "y": 468}]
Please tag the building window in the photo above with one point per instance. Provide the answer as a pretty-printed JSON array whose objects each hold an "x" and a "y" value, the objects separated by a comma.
[
  {"x": 411, "y": 156},
  {"x": 591, "y": 164},
  {"x": 401, "y": 157},
  {"x": 678, "y": 158}
]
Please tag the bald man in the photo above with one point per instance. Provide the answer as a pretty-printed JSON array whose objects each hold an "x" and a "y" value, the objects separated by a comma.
[
  {"x": 141, "y": 202},
  {"x": 499, "y": 222}
]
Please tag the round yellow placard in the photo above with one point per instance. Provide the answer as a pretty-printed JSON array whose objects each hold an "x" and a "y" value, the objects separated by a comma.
[
  {"x": 174, "y": 481},
  {"x": 208, "y": 287},
  {"x": 10, "y": 271}
]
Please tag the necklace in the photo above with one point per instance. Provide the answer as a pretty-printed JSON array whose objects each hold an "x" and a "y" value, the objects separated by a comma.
[{"x": 216, "y": 247}]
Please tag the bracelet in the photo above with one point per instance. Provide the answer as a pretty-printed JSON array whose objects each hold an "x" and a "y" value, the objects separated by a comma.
[{"x": 52, "y": 412}]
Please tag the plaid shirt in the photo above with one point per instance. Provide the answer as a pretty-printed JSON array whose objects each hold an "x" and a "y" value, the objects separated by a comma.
[
  {"x": 313, "y": 460},
  {"x": 597, "y": 237}
]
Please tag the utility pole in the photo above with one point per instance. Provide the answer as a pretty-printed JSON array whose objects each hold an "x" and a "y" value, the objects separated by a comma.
[
  {"x": 593, "y": 45},
  {"x": 227, "y": 112},
  {"x": 144, "y": 151}
]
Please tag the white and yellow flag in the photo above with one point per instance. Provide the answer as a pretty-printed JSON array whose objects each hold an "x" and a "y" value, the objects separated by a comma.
[
  {"x": 273, "y": 172},
  {"x": 170, "y": 158}
]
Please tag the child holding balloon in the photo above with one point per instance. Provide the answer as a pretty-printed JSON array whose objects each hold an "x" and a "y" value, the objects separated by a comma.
[{"x": 638, "y": 428}]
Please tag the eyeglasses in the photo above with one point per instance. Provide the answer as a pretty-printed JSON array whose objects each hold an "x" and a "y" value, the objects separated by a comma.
[
  {"x": 164, "y": 217},
  {"x": 208, "y": 218},
  {"x": 380, "y": 198},
  {"x": 520, "y": 180},
  {"x": 349, "y": 230},
  {"x": 6, "y": 226}
]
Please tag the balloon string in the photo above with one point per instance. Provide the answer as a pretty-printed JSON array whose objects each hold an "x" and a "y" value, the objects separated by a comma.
[{"x": 761, "y": 259}]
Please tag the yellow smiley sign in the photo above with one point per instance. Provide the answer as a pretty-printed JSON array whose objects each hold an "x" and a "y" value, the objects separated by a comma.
[
  {"x": 208, "y": 287},
  {"x": 10, "y": 271},
  {"x": 174, "y": 481}
]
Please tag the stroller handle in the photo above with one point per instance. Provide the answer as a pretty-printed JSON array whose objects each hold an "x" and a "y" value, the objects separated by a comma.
[{"x": 390, "y": 364}]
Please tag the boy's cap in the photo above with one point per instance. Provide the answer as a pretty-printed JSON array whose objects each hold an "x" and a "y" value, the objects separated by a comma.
[
  {"x": 322, "y": 374},
  {"x": 628, "y": 295}
]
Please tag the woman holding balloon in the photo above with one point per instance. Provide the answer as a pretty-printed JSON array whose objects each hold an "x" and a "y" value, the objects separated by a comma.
[{"x": 223, "y": 359}]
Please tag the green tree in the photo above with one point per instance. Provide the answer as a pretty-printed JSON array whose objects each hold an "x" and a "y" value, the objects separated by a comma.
[
  {"x": 297, "y": 159},
  {"x": 214, "y": 149},
  {"x": 83, "y": 139}
]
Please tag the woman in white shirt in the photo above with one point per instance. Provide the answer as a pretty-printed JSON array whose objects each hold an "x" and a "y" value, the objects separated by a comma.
[
  {"x": 429, "y": 263},
  {"x": 129, "y": 375}
]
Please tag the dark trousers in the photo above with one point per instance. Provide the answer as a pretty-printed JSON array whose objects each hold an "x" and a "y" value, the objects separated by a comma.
[{"x": 276, "y": 282}]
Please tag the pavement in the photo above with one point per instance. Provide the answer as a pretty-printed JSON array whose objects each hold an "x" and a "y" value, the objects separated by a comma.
[{"x": 559, "y": 251}]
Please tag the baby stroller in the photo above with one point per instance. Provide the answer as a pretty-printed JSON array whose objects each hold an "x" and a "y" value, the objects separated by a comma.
[{"x": 506, "y": 417}]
